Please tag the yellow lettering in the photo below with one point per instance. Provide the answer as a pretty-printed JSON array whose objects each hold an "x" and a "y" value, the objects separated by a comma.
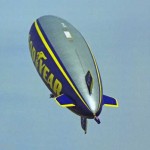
[
  {"x": 33, "y": 54},
  {"x": 32, "y": 51},
  {"x": 41, "y": 55},
  {"x": 30, "y": 42},
  {"x": 57, "y": 87},
  {"x": 50, "y": 80},
  {"x": 38, "y": 60},
  {"x": 30, "y": 46},
  {"x": 41, "y": 66},
  {"x": 45, "y": 73},
  {"x": 36, "y": 63}
]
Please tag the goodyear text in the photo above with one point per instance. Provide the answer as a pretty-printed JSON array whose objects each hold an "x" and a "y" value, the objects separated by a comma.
[{"x": 38, "y": 59}]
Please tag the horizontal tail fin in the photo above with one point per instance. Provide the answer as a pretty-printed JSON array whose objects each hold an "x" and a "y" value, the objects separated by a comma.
[
  {"x": 109, "y": 101},
  {"x": 64, "y": 101}
]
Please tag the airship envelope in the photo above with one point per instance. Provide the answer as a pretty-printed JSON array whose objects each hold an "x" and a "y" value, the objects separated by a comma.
[{"x": 68, "y": 67}]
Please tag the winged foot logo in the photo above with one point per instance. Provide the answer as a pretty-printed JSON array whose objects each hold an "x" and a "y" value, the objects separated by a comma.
[{"x": 38, "y": 59}]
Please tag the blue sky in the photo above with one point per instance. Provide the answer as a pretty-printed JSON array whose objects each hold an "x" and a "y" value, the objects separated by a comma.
[{"x": 118, "y": 33}]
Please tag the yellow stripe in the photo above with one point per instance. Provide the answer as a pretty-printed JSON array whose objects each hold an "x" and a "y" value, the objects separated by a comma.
[
  {"x": 57, "y": 62},
  {"x": 109, "y": 105},
  {"x": 64, "y": 105},
  {"x": 68, "y": 105},
  {"x": 97, "y": 75}
]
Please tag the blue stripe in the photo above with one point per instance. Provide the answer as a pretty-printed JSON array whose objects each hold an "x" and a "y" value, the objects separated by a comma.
[{"x": 56, "y": 55}]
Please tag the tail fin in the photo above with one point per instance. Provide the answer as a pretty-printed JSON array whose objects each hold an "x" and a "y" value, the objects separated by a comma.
[
  {"x": 84, "y": 124},
  {"x": 109, "y": 101},
  {"x": 64, "y": 101}
]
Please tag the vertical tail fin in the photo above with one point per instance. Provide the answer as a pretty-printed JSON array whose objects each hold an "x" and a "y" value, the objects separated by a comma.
[{"x": 84, "y": 124}]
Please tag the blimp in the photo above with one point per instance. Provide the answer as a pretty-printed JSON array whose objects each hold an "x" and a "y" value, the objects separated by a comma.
[{"x": 67, "y": 66}]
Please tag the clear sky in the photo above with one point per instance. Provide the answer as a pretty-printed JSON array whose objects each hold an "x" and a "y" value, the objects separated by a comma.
[{"x": 118, "y": 32}]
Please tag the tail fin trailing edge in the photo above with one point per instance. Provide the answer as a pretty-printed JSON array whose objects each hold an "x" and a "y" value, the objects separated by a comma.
[{"x": 109, "y": 101}]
